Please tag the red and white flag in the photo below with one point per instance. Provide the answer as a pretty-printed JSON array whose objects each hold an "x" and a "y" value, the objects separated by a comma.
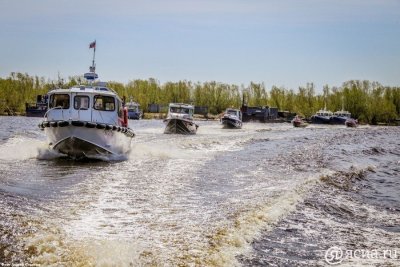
[{"x": 92, "y": 44}]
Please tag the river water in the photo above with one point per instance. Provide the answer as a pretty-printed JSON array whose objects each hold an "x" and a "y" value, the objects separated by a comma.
[{"x": 265, "y": 195}]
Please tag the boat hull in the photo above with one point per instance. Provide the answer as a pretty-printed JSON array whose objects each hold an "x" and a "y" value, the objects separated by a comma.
[
  {"x": 180, "y": 126},
  {"x": 299, "y": 124},
  {"x": 334, "y": 120},
  {"x": 231, "y": 123},
  {"x": 134, "y": 115},
  {"x": 81, "y": 141},
  {"x": 320, "y": 120},
  {"x": 338, "y": 120}
]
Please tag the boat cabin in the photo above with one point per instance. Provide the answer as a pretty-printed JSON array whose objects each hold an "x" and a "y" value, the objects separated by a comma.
[
  {"x": 85, "y": 103},
  {"x": 342, "y": 113},
  {"x": 234, "y": 112},
  {"x": 181, "y": 109},
  {"x": 133, "y": 106},
  {"x": 324, "y": 113}
]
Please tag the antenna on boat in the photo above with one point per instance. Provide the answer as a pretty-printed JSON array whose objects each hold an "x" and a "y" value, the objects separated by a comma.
[
  {"x": 342, "y": 102},
  {"x": 92, "y": 75}
]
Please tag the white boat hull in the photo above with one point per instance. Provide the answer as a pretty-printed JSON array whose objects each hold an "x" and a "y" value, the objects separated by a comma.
[{"x": 78, "y": 142}]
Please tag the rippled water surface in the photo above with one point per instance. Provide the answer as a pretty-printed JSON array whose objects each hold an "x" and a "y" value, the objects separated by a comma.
[{"x": 265, "y": 195}]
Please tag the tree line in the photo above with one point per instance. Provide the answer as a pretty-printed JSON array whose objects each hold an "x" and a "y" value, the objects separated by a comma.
[{"x": 370, "y": 102}]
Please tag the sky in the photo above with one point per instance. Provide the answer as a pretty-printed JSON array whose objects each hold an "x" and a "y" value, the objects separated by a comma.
[{"x": 278, "y": 42}]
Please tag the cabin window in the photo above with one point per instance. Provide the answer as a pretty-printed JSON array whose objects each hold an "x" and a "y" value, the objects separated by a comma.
[
  {"x": 59, "y": 100},
  {"x": 233, "y": 112},
  {"x": 120, "y": 108},
  {"x": 106, "y": 103},
  {"x": 81, "y": 102},
  {"x": 180, "y": 110}
]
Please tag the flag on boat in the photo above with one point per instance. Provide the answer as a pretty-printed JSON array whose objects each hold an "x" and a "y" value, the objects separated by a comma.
[{"x": 92, "y": 44}]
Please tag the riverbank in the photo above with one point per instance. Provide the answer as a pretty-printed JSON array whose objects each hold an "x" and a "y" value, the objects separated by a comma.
[{"x": 208, "y": 117}]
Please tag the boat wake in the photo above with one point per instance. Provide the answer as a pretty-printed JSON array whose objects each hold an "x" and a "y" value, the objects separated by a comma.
[
  {"x": 21, "y": 148},
  {"x": 247, "y": 197},
  {"x": 343, "y": 210}
]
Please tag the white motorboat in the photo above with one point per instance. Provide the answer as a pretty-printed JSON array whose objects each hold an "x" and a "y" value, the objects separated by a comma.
[
  {"x": 180, "y": 119},
  {"x": 87, "y": 121},
  {"x": 232, "y": 118}
]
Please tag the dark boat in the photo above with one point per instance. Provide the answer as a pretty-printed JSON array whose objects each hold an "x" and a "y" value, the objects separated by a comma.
[
  {"x": 340, "y": 117},
  {"x": 180, "y": 119},
  {"x": 261, "y": 114},
  {"x": 134, "y": 113},
  {"x": 323, "y": 116},
  {"x": 232, "y": 119},
  {"x": 37, "y": 109}
]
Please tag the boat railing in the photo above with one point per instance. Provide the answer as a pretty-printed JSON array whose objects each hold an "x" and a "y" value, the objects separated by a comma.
[{"x": 50, "y": 109}]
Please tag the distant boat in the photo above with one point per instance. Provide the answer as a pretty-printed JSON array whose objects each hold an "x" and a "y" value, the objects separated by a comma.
[
  {"x": 340, "y": 117},
  {"x": 260, "y": 114},
  {"x": 322, "y": 116},
  {"x": 37, "y": 109},
  {"x": 180, "y": 119},
  {"x": 350, "y": 122},
  {"x": 134, "y": 113},
  {"x": 232, "y": 118},
  {"x": 298, "y": 122}
]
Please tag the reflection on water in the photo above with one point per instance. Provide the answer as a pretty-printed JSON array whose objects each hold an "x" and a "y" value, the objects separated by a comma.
[{"x": 264, "y": 194}]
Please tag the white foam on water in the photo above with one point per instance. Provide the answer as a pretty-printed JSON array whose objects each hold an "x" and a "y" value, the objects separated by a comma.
[
  {"x": 159, "y": 150},
  {"x": 21, "y": 148},
  {"x": 235, "y": 239},
  {"x": 173, "y": 203}
]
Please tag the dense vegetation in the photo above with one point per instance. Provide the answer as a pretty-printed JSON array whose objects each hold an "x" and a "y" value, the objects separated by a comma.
[{"x": 370, "y": 102}]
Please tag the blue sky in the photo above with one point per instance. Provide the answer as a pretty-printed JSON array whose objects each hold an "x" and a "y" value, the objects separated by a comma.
[{"x": 285, "y": 43}]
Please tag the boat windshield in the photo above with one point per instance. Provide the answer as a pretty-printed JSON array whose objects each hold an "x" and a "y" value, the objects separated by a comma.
[
  {"x": 106, "y": 103},
  {"x": 59, "y": 100},
  {"x": 180, "y": 110},
  {"x": 342, "y": 114},
  {"x": 232, "y": 112},
  {"x": 324, "y": 113}
]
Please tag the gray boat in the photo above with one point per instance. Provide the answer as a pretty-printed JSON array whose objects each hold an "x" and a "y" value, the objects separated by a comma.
[
  {"x": 180, "y": 119},
  {"x": 232, "y": 119}
]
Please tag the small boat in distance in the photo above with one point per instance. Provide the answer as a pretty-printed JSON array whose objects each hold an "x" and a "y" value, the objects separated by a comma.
[
  {"x": 350, "y": 122},
  {"x": 180, "y": 119},
  {"x": 232, "y": 119},
  {"x": 87, "y": 121},
  {"x": 340, "y": 117},
  {"x": 322, "y": 116},
  {"x": 298, "y": 122},
  {"x": 37, "y": 109},
  {"x": 134, "y": 113}
]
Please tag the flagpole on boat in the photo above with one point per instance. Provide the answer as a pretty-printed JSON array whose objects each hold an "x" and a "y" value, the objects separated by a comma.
[
  {"x": 94, "y": 55},
  {"x": 91, "y": 76}
]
